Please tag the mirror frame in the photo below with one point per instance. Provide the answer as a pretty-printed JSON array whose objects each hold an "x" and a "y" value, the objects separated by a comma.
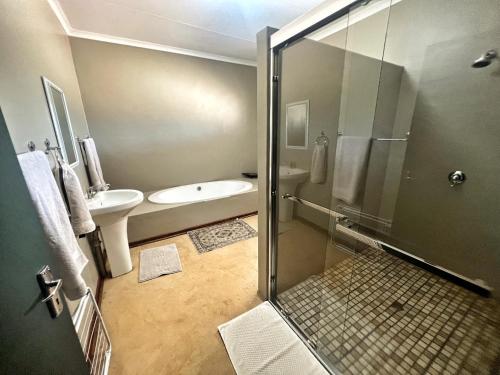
[
  {"x": 306, "y": 130},
  {"x": 47, "y": 85}
]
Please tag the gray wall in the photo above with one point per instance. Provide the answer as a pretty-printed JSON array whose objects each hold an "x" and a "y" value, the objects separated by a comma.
[
  {"x": 369, "y": 102},
  {"x": 33, "y": 44},
  {"x": 342, "y": 89},
  {"x": 161, "y": 119},
  {"x": 370, "y": 91},
  {"x": 453, "y": 113},
  {"x": 312, "y": 71}
]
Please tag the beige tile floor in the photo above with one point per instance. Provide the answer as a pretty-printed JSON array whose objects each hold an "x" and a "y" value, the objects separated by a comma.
[{"x": 169, "y": 325}]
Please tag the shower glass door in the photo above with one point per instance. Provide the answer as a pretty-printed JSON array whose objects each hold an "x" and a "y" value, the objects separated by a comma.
[
  {"x": 428, "y": 195},
  {"x": 325, "y": 84},
  {"x": 367, "y": 77},
  {"x": 386, "y": 252}
]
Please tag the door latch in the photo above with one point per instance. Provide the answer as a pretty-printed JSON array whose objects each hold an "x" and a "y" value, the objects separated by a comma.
[{"x": 50, "y": 290}]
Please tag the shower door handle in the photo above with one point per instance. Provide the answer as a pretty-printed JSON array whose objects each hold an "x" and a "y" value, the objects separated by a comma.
[{"x": 456, "y": 178}]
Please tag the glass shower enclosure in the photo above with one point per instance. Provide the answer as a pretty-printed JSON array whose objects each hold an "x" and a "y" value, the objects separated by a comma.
[{"x": 385, "y": 181}]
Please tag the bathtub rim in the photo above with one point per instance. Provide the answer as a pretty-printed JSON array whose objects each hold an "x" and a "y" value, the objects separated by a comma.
[
  {"x": 200, "y": 200},
  {"x": 148, "y": 207}
]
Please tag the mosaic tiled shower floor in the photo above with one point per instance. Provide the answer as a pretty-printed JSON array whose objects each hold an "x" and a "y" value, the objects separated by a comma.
[{"x": 378, "y": 314}]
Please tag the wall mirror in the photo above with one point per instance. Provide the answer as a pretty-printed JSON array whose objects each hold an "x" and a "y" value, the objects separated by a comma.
[
  {"x": 61, "y": 122},
  {"x": 297, "y": 123}
]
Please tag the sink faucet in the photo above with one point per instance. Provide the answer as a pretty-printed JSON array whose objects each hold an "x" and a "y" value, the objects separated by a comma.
[{"x": 91, "y": 192}]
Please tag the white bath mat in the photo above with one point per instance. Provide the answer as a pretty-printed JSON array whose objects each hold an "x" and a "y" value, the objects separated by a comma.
[
  {"x": 159, "y": 261},
  {"x": 261, "y": 342}
]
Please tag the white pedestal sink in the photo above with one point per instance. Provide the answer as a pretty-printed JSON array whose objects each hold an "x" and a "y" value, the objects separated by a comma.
[
  {"x": 110, "y": 210},
  {"x": 289, "y": 179}
]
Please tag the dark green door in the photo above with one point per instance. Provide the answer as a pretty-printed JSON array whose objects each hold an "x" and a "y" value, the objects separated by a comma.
[{"x": 31, "y": 342}]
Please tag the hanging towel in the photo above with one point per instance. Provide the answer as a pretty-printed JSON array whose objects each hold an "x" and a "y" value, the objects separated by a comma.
[
  {"x": 94, "y": 165},
  {"x": 350, "y": 167},
  {"x": 55, "y": 222},
  {"x": 80, "y": 218},
  {"x": 318, "y": 164}
]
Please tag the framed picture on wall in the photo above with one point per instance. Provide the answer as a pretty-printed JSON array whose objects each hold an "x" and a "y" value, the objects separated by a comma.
[{"x": 297, "y": 124}]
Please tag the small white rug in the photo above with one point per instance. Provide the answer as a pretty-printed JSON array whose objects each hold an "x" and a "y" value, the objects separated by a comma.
[
  {"x": 261, "y": 342},
  {"x": 159, "y": 261}
]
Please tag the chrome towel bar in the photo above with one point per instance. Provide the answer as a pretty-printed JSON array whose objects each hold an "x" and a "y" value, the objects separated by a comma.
[
  {"x": 391, "y": 139},
  {"x": 312, "y": 205},
  {"x": 341, "y": 134},
  {"x": 386, "y": 223}
]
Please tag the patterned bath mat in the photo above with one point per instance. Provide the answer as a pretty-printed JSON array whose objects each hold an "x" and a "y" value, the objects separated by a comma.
[
  {"x": 220, "y": 235},
  {"x": 159, "y": 261}
]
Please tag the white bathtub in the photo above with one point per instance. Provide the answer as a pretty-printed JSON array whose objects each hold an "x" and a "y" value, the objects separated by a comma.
[{"x": 202, "y": 192}]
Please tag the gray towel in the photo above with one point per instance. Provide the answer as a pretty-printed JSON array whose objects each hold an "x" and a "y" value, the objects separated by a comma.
[
  {"x": 55, "y": 222},
  {"x": 94, "y": 165},
  {"x": 80, "y": 218},
  {"x": 350, "y": 166}
]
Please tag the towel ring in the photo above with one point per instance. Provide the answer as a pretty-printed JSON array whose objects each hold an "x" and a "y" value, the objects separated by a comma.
[{"x": 322, "y": 139}]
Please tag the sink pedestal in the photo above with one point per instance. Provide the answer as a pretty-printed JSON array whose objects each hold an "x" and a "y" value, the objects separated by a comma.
[
  {"x": 110, "y": 210},
  {"x": 289, "y": 179},
  {"x": 116, "y": 244},
  {"x": 285, "y": 213}
]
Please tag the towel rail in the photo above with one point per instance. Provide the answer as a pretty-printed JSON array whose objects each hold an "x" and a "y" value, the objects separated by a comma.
[
  {"x": 92, "y": 333},
  {"x": 339, "y": 216},
  {"x": 385, "y": 222},
  {"x": 341, "y": 134},
  {"x": 391, "y": 139},
  {"x": 312, "y": 205}
]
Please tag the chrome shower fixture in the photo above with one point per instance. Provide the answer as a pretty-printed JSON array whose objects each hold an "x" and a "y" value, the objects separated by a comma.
[{"x": 485, "y": 59}]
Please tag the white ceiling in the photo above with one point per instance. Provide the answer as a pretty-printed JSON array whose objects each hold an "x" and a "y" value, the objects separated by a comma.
[{"x": 219, "y": 29}]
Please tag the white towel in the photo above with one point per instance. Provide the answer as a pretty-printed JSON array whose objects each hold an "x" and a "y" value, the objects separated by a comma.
[
  {"x": 350, "y": 166},
  {"x": 80, "y": 218},
  {"x": 318, "y": 164},
  {"x": 94, "y": 165},
  {"x": 55, "y": 222}
]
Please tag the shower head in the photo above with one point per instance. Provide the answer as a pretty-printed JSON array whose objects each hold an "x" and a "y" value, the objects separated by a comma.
[{"x": 485, "y": 59}]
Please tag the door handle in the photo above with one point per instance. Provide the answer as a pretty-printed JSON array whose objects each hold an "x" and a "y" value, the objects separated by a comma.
[
  {"x": 51, "y": 291},
  {"x": 54, "y": 287}
]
